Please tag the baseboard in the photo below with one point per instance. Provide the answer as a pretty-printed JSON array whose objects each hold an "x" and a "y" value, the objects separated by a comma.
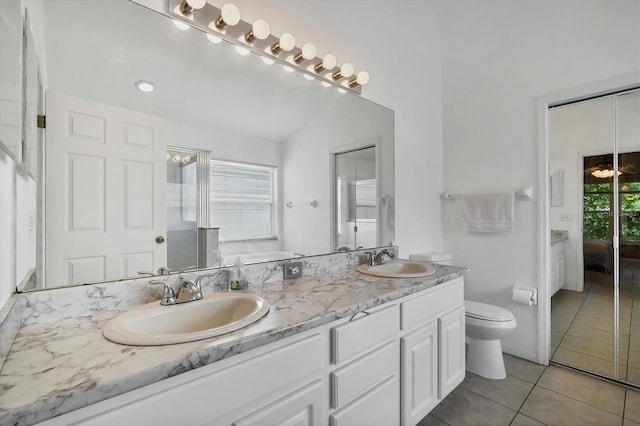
[{"x": 517, "y": 352}]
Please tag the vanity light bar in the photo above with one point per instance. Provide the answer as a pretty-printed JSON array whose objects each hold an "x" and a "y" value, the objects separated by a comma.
[{"x": 226, "y": 24}]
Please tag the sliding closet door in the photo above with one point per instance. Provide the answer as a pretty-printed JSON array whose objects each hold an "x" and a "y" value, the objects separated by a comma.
[
  {"x": 627, "y": 127},
  {"x": 595, "y": 325}
]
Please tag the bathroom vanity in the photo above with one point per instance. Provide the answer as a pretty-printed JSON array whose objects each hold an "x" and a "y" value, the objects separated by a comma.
[
  {"x": 338, "y": 347},
  {"x": 559, "y": 242}
]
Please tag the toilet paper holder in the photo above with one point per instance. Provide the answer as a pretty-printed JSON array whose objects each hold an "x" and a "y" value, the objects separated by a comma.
[{"x": 525, "y": 295}]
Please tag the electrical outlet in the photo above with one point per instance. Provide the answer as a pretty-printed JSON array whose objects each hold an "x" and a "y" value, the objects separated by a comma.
[
  {"x": 292, "y": 270},
  {"x": 567, "y": 217}
]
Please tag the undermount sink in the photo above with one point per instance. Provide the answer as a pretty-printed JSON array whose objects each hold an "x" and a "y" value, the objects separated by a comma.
[
  {"x": 213, "y": 315},
  {"x": 398, "y": 269}
]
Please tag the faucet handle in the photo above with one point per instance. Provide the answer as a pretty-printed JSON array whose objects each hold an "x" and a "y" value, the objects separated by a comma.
[
  {"x": 188, "y": 292},
  {"x": 168, "y": 296}
]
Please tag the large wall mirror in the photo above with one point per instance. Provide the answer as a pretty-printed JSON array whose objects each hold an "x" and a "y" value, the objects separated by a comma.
[{"x": 227, "y": 147}]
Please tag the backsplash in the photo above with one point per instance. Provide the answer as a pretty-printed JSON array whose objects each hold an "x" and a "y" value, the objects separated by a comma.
[{"x": 86, "y": 300}]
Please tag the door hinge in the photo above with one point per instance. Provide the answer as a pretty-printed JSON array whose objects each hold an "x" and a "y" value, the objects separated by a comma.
[{"x": 42, "y": 122}]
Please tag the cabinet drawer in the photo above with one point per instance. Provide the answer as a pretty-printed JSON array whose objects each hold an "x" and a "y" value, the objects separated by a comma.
[
  {"x": 359, "y": 335},
  {"x": 424, "y": 307},
  {"x": 363, "y": 374},
  {"x": 377, "y": 407}
]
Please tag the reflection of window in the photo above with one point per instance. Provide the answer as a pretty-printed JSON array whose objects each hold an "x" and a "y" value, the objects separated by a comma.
[
  {"x": 362, "y": 200},
  {"x": 241, "y": 200},
  {"x": 598, "y": 205}
]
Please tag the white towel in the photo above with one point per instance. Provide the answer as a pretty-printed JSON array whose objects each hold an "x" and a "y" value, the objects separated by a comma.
[{"x": 488, "y": 212}]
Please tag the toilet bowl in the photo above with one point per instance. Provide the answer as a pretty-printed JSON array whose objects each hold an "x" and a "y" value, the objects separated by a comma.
[{"x": 485, "y": 325}]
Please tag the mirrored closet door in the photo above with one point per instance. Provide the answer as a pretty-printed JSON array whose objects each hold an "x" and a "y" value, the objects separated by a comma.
[{"x": 595, "y": 237}]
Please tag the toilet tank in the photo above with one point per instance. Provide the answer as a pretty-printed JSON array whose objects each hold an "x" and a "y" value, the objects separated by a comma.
[{"x": 432, "y": 256}]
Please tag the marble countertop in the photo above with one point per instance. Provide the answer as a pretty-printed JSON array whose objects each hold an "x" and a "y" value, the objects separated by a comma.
[{"x": 58, "y": 367}]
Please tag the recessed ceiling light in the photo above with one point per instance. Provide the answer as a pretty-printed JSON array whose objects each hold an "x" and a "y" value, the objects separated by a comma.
[{"x": 144, "y": 86}]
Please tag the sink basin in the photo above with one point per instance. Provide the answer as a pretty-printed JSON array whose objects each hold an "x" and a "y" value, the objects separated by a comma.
[
  {"x": 213, "y": 315},
  {"x": 398, "y": 269}
]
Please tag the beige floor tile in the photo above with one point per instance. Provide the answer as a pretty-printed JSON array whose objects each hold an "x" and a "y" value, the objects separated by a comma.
[
  {"x": 632, "y": 406},
  {"x": 593, "y": 348},
  {"x": 560, "y": 326},
  {"x": 634, "y": 359},
  {"x": 589, "y": 363},
  {"x": 633, "y": 376},
  {"x": 555, "y": 409},
  {"x": 556, "y": 337},
  {"x": 510, "y": 392},
  {"x": 522, "y": 420},
  {"x": 628, "y": 422},
  {"x": 522, "y": 369},
  {"x": 597, "y": 335},
  {"x": 598, "y": 393},
  {"x": 463, "y": 407},
  {"x": 431, "y": 421}
]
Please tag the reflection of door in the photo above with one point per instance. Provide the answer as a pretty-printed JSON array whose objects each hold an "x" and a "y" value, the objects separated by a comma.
[
  {"x": 355, "y": 198},
  {"x": 105, "y": 177}
]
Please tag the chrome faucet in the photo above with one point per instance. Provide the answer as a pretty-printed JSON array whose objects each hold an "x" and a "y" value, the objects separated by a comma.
[
  {"x": 188, "y": 291},
  {"x": 378, "y": 258}
]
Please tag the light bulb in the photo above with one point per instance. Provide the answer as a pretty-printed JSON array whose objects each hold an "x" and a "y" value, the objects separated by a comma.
[
  {"x": 328, "y": 62},
  {"x": 287, "y": 42},
  {"x": 229, "y": 15},
  {"x": 361, "y": 79},
  {"x": 346, "y": 71},
  {"x": 259, "y": 30},
  {"x": 186, "y": 159},
  {"x": 177, "y": 158},
  {"x": 168, "y": 156},
  {"x": 188, "y": 6},
  {"x": 308, "y": 51}
]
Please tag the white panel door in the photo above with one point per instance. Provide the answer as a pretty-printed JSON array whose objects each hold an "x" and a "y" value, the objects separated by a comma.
[
  {"x": 451, "y": 354},
  {"x": 105, "y": 191},
  {"x": 419, "y": 373}
]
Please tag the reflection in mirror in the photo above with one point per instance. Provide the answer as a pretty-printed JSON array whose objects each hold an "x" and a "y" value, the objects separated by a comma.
[{"x": 257, "y": 139}]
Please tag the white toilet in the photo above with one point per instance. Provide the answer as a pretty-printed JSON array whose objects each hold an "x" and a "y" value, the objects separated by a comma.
[{"x": 485, "y": 325}]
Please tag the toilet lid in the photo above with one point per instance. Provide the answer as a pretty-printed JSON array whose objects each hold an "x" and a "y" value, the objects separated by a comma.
[{"x": 484, "y": 311}]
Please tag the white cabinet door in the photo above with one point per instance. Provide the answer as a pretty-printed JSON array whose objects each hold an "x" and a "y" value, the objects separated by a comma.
[
  {"x": 300, "y": 408},
  {"x": 106, "y": 178},
  {"x": 451, "y": 334},
  {"x": 419, "y": 392},
  {"x": 380, "y": 406},
  {"x": 561, "y": 271}
]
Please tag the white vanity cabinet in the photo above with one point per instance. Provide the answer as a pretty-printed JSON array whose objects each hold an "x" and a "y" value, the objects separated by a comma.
[
  {"x": 275, "y": 384},
  {"x": 432, "y": 349},
  {"x": 557, "y": 265},
  {"x": 387, "y": 365},
  {"x": 364, "y": 370}
]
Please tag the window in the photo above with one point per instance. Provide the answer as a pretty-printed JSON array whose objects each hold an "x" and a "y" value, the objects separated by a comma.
[
  {"x": 362, "y": 200},
  {"x": 598, "y": 208},
  {"x": 242, "y": 200}
]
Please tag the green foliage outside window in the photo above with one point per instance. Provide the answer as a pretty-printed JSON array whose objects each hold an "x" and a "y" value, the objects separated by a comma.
[{"x": 598, "y": 219}]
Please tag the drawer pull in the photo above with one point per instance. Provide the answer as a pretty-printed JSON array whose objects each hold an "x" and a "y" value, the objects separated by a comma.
[{"x": 356, "y": 314}]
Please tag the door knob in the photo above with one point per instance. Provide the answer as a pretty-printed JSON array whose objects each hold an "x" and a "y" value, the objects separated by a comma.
[{"x": 159, "y": 239}]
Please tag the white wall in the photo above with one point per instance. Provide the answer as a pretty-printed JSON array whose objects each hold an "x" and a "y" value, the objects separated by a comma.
[
  {"x": 398, "y": 43},
  {"x": 498, "y": 57}
]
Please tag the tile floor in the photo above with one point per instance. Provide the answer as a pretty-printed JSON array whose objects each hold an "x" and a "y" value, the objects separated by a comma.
[
  {"x": 533, "y": 394},
  {"x": 582, "y": 325}
]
